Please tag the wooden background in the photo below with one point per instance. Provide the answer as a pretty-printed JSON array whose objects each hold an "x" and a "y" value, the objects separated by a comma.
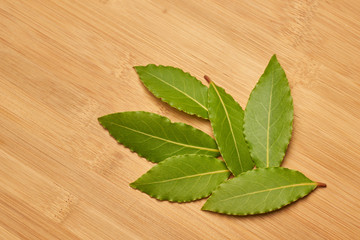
[{"x": 65, "y": 63}]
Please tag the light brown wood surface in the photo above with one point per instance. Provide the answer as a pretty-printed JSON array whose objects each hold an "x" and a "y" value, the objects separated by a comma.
[{"x": 65, "y": 63}]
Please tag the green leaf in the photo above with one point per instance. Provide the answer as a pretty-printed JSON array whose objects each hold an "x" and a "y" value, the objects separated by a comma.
[
  {"x": 259, "y": 191},
  {"x": 177, "y": 88},
  {"x": 156, "y": 138},
  {"x": 183, "y": 178},
  {"x": 226, "y": 117},
  {"x": 269, "y": 116}
]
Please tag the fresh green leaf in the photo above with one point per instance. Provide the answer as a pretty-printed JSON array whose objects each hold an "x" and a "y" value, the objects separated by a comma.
[
  {"x": 259, "y": 191},
  {"x": 156, "y": 138},
  {"x": 226, "y": 117},
  {"x": 177, "y": 88},
  {"x": 183, "y": 178},
  {"x": 269, "y": 116}
]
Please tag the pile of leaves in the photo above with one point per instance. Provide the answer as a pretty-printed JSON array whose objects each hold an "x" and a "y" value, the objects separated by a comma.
[{"x": 188, "y": 168}]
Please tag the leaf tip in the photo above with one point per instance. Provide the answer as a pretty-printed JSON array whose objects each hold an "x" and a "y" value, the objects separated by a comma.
[
  {"x": 204, "y": 208},
  {"x": 133, "y": 185},
  {"x": 100, "y": 120},
  {"x": 137, "y": 68}
]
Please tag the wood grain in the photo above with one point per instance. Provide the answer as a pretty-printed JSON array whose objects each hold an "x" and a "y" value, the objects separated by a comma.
[{"x": 65, "y": 63}]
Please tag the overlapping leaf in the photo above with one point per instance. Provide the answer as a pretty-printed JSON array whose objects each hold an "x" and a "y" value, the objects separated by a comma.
[
  {"x": 183, "y": 178},
  {"x": 177, "y": 88},
  {"x": 155, "y": 137},
  {"x": 269, "y": 116},
  {"x": 259, "y": 191},
  {"x": 226, "y": 117}
]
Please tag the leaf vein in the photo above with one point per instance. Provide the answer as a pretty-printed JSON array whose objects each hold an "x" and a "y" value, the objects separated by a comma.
[
  {"x": 270, "y": 189},
  {"x": 231, "y": 128},
  {"x": 185, "y": 177},
  {"x": 179, "y": 91},
  {"x": 166, "y": 140}
]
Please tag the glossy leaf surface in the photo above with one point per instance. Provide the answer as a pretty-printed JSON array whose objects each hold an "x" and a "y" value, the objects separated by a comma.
[
  {"x": 177, "y": 88},
  {"x": 269, "y": 116},
  {"x": 226, "y": 117},
  {"x": 155, "y": 137},
  {"x": 183, "y": 178},
  {"x": 259, "y": 191}
]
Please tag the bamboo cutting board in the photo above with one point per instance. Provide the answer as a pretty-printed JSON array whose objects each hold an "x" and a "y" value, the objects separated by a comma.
[{"x": 65, "y": 63}]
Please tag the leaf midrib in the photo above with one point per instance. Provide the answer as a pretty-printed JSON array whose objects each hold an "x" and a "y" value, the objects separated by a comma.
[
  {"x": 193, "y": 99},
  {"x": 231, "y": 129},
  {"x": 268, "y": 125},
  {"x": 167, "y": 140},
  {"x": 269, "y": 190},
  {"x": 185, "y": 177}
]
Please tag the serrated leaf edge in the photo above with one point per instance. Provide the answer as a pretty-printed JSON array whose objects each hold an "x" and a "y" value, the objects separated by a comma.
[
  {"x": 299, "y": 196},
  {"x": 134, "y": 186},
  {"x": 291, "y": 122},
  {"x": 185, "y": 177},
  {"x": 166, "y": 119},
  {"x": 227, "y": 116},
  {"x": 156, "y": 94}
]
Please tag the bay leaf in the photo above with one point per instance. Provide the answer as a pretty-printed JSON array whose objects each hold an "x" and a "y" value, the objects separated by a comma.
[
  {"x": 183, "y": 178},
  {"x": 226, "y": 117},
  {"x": 175, "y": 87},
  {"x": 155, "y": 137},
  {"x": 259, "y": 191},
  {"x": 269, "y": 116}
]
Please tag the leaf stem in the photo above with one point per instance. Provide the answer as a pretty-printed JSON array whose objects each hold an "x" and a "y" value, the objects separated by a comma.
[
  {"x": 207, "y": 79},
  {"x": 320, "y": 184}
]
